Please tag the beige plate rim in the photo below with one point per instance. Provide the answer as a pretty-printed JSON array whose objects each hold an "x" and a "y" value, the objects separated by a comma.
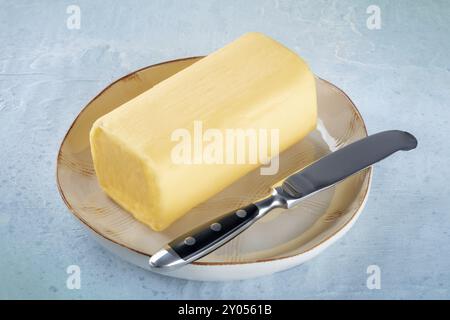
[{"x": 85, "y": 223}]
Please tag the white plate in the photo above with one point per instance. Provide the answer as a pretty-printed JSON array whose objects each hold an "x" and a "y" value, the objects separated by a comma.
[{"x": 279, "y": 241}]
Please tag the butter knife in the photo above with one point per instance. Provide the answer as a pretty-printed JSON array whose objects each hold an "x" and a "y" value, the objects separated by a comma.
[{"x": 318, "y": 176}]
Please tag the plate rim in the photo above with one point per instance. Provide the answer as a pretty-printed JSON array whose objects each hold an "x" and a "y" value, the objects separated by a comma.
[{"x": 354, "y": 216}]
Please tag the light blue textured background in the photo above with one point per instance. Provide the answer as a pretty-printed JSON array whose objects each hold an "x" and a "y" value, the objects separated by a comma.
[{"x": 398, "y": 76}]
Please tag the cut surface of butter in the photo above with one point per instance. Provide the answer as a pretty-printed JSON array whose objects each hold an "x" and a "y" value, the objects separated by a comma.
[{"x": 252, "y": 83}]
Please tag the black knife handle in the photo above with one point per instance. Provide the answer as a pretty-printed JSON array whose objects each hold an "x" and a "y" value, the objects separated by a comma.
[
  {"x": 214, "y": 233},
  {"x": 348, "y": 160}
]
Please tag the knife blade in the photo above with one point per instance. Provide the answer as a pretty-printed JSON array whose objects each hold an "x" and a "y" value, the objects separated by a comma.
[{"x": 318, "y": 176}]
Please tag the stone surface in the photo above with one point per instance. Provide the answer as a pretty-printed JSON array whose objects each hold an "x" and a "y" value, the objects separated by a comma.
[{"x": 398, "y": 76}]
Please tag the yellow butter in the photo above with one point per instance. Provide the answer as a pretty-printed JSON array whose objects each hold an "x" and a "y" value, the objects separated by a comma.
[{"x": 252, "y": 83}]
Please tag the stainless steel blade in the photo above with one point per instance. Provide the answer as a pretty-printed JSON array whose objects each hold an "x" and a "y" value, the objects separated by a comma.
[{"x": 347, "y": 161}]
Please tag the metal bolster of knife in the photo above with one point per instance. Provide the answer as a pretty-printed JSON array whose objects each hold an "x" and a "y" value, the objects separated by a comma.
[{"x": 279, "y": 198}]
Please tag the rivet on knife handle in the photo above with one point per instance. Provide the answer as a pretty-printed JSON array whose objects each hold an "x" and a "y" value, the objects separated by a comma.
[{"x": 320, "y": 175}]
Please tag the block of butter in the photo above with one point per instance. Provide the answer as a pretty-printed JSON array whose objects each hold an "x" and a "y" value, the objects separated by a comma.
[{"x": 252, "y": 83}]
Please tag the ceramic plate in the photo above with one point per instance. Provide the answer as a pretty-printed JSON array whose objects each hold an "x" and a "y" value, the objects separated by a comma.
[{"x": 279, "y": 241}]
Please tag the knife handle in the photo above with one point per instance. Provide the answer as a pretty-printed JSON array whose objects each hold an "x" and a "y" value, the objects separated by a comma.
[{"x": 205, "y": 238}]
